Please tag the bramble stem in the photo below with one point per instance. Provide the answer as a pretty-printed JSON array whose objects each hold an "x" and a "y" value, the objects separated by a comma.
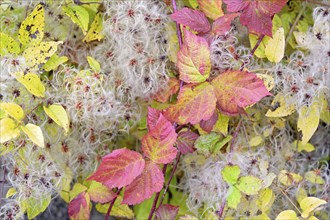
[
  {"x": 154, "y": 204},
  {"x": 261, "y": 37},
  {"x": 235, "y": 136},
  {"x": 223, "y": 204},
  {"x": 178, "y": 27},
  {"x": 170, "y": 179},
  {"x": 111, "y": 205}
]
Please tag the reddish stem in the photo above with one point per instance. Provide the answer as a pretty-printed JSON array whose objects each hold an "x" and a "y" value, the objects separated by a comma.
[
  {"x": 223, "y": 204},
  {"x": 253, "y": 49},
  {"x": 235, "y": 136},
  {"x": 178, "y": 28},
  {"x": 154, "y": 204},
  {"x": 111, "y": 205}
]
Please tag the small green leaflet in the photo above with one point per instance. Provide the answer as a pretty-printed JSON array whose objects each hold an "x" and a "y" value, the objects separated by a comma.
[
  {"x": 8, "y": 45},
  {"x": 94, "y": 64}
]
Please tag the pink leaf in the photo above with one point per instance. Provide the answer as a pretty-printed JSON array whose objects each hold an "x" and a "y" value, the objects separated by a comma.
[
  {"x": 158, "y": 143},
  {"x": 149, "y": 182},
  {"x": 194, "y": 62},
  {"x": 167, "y": 212},
  {"x": 152, "y": 118},
  {"x": 119, "y": 168},
  {"x": 236, "y": 90},
  {"x": 256, "y": 14},
  {"x": 208, "y": 124},
  {"x": 186, "y": 141},
  {"x": 79, "y": 207},
  {"x": 223, "y": 24},
  {"x": 100, "y": 193},
  {"x": 194, "y": 19}
]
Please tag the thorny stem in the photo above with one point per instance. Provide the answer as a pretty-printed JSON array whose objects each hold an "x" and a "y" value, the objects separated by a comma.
[
  {"x": 111, "y": 205},
  {"x": 154, "y": 204},
  {"x": 294, "y": 24},
  {"x": 170, "y": 179},
  {"x": 178, "y": 28},
  {"x": 327, "y": 4},
  {"x": 261, "y": 37}
]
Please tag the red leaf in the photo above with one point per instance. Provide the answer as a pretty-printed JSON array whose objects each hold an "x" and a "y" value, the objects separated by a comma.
[
  {"x": 158, "y": 143},
  {"x": 100, "y": 193},
  {"x": 167, "y": 212},
  {"x": 236, "y": 90},
  {"x": 194, "y": 62},
  {"x": 186, "y": 141},
  {"x": 119, "y": 168},
  {"x": 149, "y": 182},
  {"x": 223, "y": 24},
  {"x": 165, "y": 93},
  {"x": 152, "y": 118},
  {"x": 256, "y": 14},
  {"x": 79, "y": 207},
  {"x": 208, "y": 124},
  {"x": 195, "y": 103},
  {"x": 194, "y": 19}
]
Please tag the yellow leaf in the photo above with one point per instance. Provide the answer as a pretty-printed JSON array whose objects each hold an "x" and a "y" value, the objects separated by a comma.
[
  {"x": 289, "y": 179},
  {"x": 31, "y": 30},
  {"x": 79, "y": 15},
  {"x": 34, "y": 133},
  {"x": 222, "y": 124},
  {"x": 275, "y": 48},
  {"x": 93, "y": 64},
  {"x": 8, "y": 130},
  {"x": 32, "y": 83},
  {"x": 54, "y": 62},
  {"x": 312, "y": 218},
  {"x": 301, "y": 194},
  {"x": 265, "y": 200},
  {"x": 12, "y": 191},
  {"x": 308, "y": 121},
  {"x": 36, "y": 56},
  {"x": 313, "y": 177},
  {"x": 256, "y": 140},
  {"x": 325, "y": 112},
  {"x": 8, "y": 45},
  {"x": 309, "y": 204},
  {"x": 211, "y": 8},
  {"x": 94, "y": 32},
  {"x": 59, "y": 115},
  {"x": 118, "y": 209},
  {"x": 279, "y": 108},
  {"x": 13, "y": 110},
  {"x": 287, "y": 215},
  {"x": 306, "y": 147},
  {"x": 268, "y": 80},
  {"x": 66, "y": 185},
  {"x": 76, "y": 190}
]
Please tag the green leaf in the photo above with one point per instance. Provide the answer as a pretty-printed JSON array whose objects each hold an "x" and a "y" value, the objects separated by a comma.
[
  {"x": 234, "y": 197},
  {"x": 265, "y": 200},
  {"x": 222, "y": 124},
  {"x": 34, "y": 133},
  {"x": 249, "y": 185},
  {"x": 230, "y": 173},
  {"x": 54, "y": 62},
  {"x": 31, "y": 30},
  {"x": 309, "y": 204},
  {"x": 313, "y": 177},
  {"x": 59, "y": 116},
  {"x": 288, "y": 179},
  {"x": 32, "y": 83},
  {"x": 35, "y": 206},
  {"x": 118, "y": 210},
  {"x": 12, "y": 191},
  {"x": 13, "y": 110},
  {"x": 219, "y": 145},
  {"x": 79, "y": 15},
  {"x": 303, "y": 147},
  {"x": 8, "y": 130},
  {"x": 95, "y": 31},
  {"x": 287, "y": 215},
  {"x": 8, "y": 45},
  {"x": 76, "y": 190},
  {"x": 94, "y": 64},
  {"x": 205, "y": 143},
  {"x": 256, "y": 141}
]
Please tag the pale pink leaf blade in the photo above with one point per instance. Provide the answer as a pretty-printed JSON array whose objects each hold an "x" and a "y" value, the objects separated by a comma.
[
  {"x": 167, "y": 211},
  {"x": 79, "y": 208},
  {"x": 186, "y": 141}
]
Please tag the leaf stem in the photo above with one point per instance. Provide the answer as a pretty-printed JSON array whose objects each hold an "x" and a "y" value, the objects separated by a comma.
[
  {"x": 261, "y": 37},
  {"x": 178, "y": 27},
  {"x": 111, "y": 205},
  {"x": 171, "y": 177},
  {"x": 154, "y": 204},
  {"x": 222, "y": 208},
  {"x": 294, "y": 24}
]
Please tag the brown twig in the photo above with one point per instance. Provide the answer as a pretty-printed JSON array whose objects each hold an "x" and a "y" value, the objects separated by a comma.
[
  {"x": 111, "y": 205},
  {"x": 154, "y": 204}
]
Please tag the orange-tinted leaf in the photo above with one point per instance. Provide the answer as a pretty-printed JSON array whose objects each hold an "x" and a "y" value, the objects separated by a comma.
[
  {"x": 256, "y": 14},
  {"x": 194, "y": 19},
  {"x": 149, "y": 182},
  {"x": 119, "y": 168},
  {"x": 236, "y": 90},
  {"x": 158, "y": 143},
  {"x": 186, "y": 141},
  {"x": 208, "y": 124},
  {"x": 167, "y": 211},
  {"x": 195, "y": 103},
  {"x": 211, "y": 8},
  {"x": 194, "y": 62},
  {"x": 165, "y": 93},
  {"x": 100, "y": 193},
  {"x": 79, "y": 207}
]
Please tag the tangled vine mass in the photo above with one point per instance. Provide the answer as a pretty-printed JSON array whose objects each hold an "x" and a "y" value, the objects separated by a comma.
[{"x": 165, "y": 109}]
